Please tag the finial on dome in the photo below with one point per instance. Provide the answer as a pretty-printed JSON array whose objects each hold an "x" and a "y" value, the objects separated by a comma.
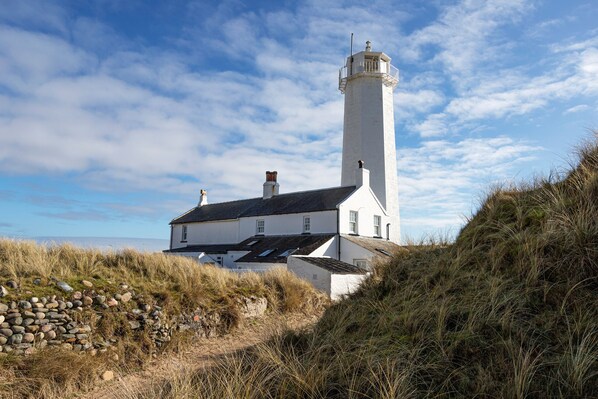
[{"x": 368, "y": 46}]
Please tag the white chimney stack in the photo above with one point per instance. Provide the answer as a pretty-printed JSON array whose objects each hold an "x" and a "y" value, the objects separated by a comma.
[
  {"x": 271, "y": 185},
  {"x": 203, "y": 198},
  {"x": 362, "y": 175}
]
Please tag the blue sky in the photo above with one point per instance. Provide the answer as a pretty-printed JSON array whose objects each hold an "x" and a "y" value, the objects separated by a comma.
[{"x": 113, "y": 115}]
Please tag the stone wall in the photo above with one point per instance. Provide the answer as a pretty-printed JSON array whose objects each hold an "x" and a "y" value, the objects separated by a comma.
[{"x": 71, "y": 321}]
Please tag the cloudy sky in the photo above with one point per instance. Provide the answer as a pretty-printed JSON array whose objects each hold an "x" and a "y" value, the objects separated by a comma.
[{"x": 114, "y": 114}]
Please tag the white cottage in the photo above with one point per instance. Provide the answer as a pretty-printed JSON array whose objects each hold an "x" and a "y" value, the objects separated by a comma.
[{"x": 350, "y": 225}]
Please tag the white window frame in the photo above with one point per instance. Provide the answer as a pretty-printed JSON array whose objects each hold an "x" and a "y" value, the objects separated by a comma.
[
  {"x": 362, "y": 263},
  {"x": 377, "y": 226},
  {"x": 306, "y": 224},
  {"x": 260, "y": 226},
  {"x": 353, "y": 222},
  {"x": 184, "y": 233}
]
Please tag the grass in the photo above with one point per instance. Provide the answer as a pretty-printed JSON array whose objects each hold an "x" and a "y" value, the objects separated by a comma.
[
  {"x": 507, "y": 310},
  {"x": 176, "y": 284}
]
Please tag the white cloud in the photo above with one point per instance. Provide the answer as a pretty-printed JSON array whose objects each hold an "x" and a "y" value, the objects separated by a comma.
[{"x": 440, "y": 180}]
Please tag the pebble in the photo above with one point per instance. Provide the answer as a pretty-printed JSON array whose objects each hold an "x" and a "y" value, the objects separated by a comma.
[
  {"x": 3, "y": 340},
  {"x": 12, "y": 284},
  {"x": 126, "y": 297},
  {"x": 50, "y": 335},
  {"x": 28, "y": 337},
  {"x": 18, "y": 329},
  {"x": 1, "y": 319},
  {"x": 3, "y": 291},
  {"x": 15, "y": 339},
  {"x": 6, "y": 332},
  {"x": 100, "y": 299},
  {"x": 112, "y": 302},
  {"x": 40, "y": 315},
  {"x": 108, "y": 375},
  {"x": 47, "y": 327},
  {"x": 64, "y": 286},
  {"x": 3, "y": 307},
  {"x": 34, "y": 299},
  {"x": 17, "y": 321},
  {"x": 86, "y": 283},
  {"x": 77, "y": 295},
  {"x": 24, "y": 305},
  {"x": 87, "y": 301},
  {"x": 37, "y": 281}
]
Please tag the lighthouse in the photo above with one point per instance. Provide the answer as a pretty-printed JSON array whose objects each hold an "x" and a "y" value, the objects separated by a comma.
[{"x": 368, "y": 80}]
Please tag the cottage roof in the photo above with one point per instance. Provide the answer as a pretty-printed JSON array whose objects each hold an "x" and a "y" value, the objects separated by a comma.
[
  {"x": 377, "y": 246},
  {"x": 208, "y": 249},
  {"x": 276, "y": 249},
  {"x": 333, "y": 265},
  {"x": 299, "y": 202}
]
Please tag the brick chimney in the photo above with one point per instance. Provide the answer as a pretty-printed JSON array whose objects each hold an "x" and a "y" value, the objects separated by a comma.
[
  {"x": 271, "y": 185},
  {"x": 203, "y": 198}
]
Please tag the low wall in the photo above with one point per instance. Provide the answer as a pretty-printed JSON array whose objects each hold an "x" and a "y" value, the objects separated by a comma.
[{"x": 74, "y": 322}]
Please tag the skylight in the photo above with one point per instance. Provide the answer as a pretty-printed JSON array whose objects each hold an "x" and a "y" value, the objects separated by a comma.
[
  {"x": 252, "y": 243},
  {"x": 266, "y": 252},
  {"x": 287, "y": 252},
  {"x": 384, "y": 252}
]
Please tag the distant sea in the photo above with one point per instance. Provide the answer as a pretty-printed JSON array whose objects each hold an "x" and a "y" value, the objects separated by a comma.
[{"x": 107, "y": 243}]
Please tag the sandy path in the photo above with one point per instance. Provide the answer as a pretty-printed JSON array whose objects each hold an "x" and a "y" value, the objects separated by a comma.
[{"x": 201, "y": 354}]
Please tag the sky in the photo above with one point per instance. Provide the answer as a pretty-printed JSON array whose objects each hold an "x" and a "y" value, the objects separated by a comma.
[{"x": 114, "y": 114}]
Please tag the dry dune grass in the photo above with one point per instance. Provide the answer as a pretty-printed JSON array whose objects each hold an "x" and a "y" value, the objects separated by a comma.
[
  {"x": 175, "y": 283},
  {"x": 508, "y": 310}
]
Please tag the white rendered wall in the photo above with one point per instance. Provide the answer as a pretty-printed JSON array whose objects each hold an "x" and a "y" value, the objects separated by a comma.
[
  {"x": 321, "y": 222},
  {"x": 329, "y": 249},
  {"x": 221, "y": 232},
  {"x": 343, "y": 284},
  {"x": 351, "y": 251},
  {"x": 307, "y": 272},
  {"x": 364, "y": 202}
]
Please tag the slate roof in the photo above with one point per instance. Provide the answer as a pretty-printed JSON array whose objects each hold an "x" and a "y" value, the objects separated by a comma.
[
  {"x": 208, "y": 249},
  {"x": 378, "y": 246},
  {"x": 333, "y": 265},
  {"x": 302, "y": 244},
  {"x": 299, "y": 202}
]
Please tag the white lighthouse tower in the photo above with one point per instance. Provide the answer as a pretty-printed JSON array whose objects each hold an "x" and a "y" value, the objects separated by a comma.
[{"x": 368, "y": 80}]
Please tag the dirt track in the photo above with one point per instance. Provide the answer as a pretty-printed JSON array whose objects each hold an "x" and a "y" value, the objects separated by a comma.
[{"x": 201, "y": 354}]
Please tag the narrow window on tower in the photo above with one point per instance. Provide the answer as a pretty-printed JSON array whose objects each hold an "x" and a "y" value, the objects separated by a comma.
[
  {"x": 353, "y": 222},
  {"x": 260, "y": 226},
  {"x": 377, "y": 230},
  {"x": 306, "y": 224},
  {"x": 184, "y": 233}
]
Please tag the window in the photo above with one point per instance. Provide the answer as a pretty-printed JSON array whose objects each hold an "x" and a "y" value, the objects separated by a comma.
[
  {"x": 306, "y": 224},
  {"x": 260, "y": 226},
  {"x": 377, "y": 222},
  {"x": 353, "y": 222},
  {"x": 266, "y": 252},
  {"x": 287, "y": 252},
  {"x": 184, "y": 234},
  {"x": 361, "y": 263}
]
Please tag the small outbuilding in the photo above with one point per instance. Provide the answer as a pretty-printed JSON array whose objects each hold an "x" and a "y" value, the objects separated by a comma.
[{"x": 334, "y": 277}]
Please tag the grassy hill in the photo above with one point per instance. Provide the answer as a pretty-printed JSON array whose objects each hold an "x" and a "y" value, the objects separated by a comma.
[
  {"x": 175, "y": 285},
  {"x": 510, "y": 309}
]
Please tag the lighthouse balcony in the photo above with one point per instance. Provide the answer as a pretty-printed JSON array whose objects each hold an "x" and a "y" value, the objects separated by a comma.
[{"x": 388, "y": 73}]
